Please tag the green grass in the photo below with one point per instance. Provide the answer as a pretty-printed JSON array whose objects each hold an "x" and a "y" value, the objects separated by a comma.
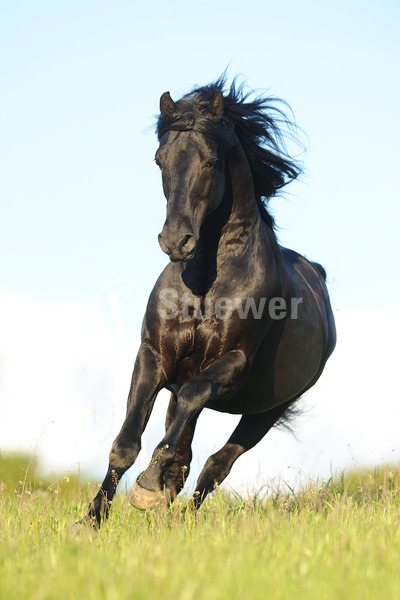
[{"x": 331, "y": 540}]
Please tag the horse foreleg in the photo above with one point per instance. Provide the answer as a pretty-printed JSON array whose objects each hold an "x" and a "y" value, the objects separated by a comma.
[
  {"x": 147, "y": 379},
  {"x": 250, "y": 430},
  {"x": 176, "y": 475},
  {"x": 220, "y": 379}
]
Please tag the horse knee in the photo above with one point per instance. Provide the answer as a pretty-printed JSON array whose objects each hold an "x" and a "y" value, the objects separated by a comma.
[
  {"x": 193, "y": 394},
  {"x": 123, "y": 457}
]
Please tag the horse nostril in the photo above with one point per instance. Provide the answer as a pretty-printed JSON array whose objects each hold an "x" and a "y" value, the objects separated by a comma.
[
  {"x": 163, "y": 244},
  {"x": 187, "y": 243},
  {"x": 182, "y": 251}
]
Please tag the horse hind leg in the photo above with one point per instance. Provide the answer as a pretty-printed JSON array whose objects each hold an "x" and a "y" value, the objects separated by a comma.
[
  {"x": 250, "y": 430},
  {"x": 177, "y": 474}
]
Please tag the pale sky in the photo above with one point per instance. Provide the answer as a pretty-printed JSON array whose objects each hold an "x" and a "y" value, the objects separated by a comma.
[{"x": 82, "y": 204}]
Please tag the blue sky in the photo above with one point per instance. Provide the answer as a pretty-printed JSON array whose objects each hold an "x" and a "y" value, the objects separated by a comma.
[{"x": 81, "y": 199}]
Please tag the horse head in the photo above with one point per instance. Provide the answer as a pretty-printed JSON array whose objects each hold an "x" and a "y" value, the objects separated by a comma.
[{"x": 192, "y": 166}]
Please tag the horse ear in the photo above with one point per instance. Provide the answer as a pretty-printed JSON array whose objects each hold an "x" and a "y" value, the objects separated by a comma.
[
  {"x": 167, "y": 105},
  {"x": 217, "y": 105}
]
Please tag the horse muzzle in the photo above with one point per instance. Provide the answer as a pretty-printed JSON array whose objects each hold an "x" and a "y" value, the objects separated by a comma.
[{"x": 182, "y": 251}]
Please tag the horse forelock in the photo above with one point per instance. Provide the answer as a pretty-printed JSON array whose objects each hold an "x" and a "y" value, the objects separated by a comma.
[{"x": 191, "y": 115}]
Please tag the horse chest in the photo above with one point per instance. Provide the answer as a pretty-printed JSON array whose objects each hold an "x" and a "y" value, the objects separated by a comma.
[{"x": 196, "y": 348}]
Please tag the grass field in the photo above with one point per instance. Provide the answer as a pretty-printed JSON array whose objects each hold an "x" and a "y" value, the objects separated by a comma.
[{"x": 330, "y": 540}]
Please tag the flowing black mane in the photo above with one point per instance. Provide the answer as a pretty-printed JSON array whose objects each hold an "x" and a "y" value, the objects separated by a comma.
[{"x": 259, "y": 124}]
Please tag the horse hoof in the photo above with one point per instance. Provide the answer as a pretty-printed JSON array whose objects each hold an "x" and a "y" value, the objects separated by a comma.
[
  {"x": 143, "y": 499},
  {"x": 83, "y": 529}
]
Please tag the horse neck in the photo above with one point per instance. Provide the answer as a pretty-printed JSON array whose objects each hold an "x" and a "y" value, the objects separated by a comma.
[
  {"x": 244, "y": 218},
  {"x": 230, "y": 231}
]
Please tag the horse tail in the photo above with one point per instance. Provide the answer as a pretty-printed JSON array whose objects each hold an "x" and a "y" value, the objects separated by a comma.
[{"x": 290, "y": 414}]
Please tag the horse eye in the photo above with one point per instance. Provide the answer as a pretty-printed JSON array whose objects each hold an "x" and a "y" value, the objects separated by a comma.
[
  {"x": 158, "y": 164},
  {"x": 212, "y": 162}
]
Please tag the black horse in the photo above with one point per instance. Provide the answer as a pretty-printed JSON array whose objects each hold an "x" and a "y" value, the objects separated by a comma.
[{"x": 235, "y": 322}]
